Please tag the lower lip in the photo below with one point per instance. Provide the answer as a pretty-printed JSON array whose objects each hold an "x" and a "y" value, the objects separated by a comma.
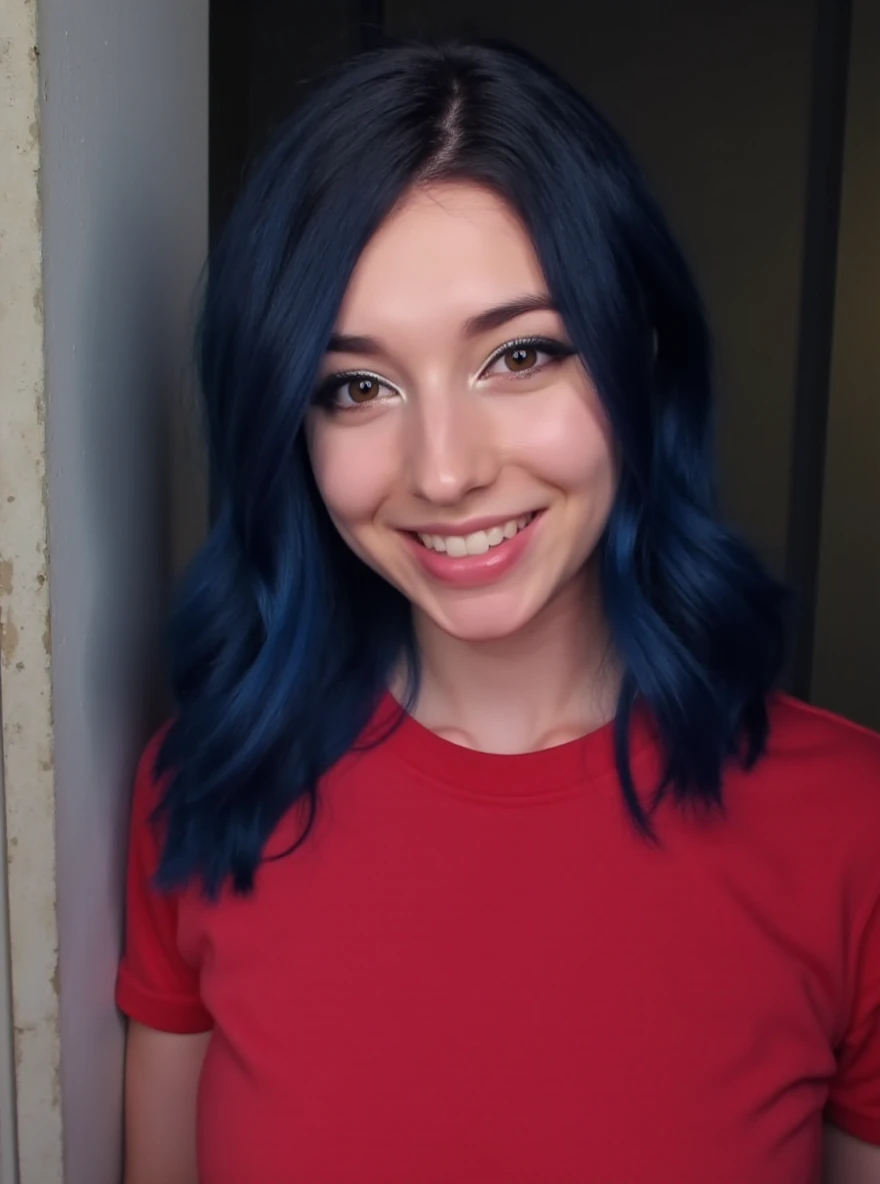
[{"x": 473, "y": 571}]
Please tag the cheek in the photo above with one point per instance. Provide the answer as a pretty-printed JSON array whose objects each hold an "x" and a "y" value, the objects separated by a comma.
[
  {"x": 353, "y": 469},
  {"x": 569, "y": 445}
]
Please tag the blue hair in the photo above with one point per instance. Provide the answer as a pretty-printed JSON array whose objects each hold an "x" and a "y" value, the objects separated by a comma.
[{"x": 282, "y": 641}]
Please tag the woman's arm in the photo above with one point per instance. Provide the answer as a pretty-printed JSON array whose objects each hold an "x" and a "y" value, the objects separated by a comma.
[
  {"x": 161, "y": 1082},
  {"x": 849, "y": 1161}
]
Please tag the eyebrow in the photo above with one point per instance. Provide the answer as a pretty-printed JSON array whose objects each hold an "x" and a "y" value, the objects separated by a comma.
[{"x": 492, "y": 318}]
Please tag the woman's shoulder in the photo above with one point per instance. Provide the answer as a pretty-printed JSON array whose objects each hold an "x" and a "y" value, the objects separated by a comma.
[
  {"x": 819, "y": 781},
  {"x": 819, "y": 742}
]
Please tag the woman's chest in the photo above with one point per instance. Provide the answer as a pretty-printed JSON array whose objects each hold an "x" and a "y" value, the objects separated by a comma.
[{"x": 492, "y": 1013}]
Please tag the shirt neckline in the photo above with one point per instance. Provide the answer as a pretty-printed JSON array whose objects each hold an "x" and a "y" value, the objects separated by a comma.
[{"x": 506, "y": 777}]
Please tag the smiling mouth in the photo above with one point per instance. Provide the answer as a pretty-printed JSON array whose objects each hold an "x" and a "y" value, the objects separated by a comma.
[{"x": 458, "y": 546}]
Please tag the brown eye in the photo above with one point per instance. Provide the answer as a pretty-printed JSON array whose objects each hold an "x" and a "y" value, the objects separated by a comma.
[
  {"x": 526, "y": 357},
  {"x": 344, "y": 392},
  {"x": 521, "y": 357},
  {"x": 361, "y": 390}
]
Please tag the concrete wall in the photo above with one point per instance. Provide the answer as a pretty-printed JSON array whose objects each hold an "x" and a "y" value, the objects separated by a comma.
[
  {"x": 25, "y": 691},
  {"x": 103, "y": 139},
  {"x": 846, "y": 674}
]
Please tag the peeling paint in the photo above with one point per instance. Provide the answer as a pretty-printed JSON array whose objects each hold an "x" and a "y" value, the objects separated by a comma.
[
  {"x": 25, "y": 684},
  {"x": 8, "y": 641}
]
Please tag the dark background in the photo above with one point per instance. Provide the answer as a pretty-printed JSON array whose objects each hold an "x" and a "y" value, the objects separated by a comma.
[{"x": 758, "y": 123}]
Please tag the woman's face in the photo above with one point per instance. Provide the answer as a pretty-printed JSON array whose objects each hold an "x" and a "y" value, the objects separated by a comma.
[{"x": 460, "y": 447}]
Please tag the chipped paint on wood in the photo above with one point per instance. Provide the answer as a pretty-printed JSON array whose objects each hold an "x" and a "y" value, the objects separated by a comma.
[{"x": 25, "y": 685}]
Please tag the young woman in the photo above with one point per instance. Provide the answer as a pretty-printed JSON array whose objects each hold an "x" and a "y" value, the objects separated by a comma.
[{"x": 480, "y": 848}]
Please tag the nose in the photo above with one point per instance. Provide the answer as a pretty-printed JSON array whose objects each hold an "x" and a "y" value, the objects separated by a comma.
[{"x": 450, "y": 449}]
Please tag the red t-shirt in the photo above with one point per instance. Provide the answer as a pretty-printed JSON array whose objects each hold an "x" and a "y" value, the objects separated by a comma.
[{"x": 475, "y": 971}]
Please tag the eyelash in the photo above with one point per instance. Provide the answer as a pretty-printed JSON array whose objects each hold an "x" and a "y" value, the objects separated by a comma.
[{"x": 554, "y": 349}]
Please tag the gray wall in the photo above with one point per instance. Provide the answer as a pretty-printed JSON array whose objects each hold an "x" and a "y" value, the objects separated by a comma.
[
  {"x": 125, "y": 197},
  {"x": 846, "y": 674}
]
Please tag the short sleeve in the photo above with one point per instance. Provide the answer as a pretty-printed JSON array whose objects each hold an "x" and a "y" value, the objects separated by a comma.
[
  {"x": 854, "y": 1096},
  {"x": 155, "y": 985}
]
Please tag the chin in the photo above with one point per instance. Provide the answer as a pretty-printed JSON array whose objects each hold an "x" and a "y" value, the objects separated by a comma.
[{"x": 480, "y": 619}]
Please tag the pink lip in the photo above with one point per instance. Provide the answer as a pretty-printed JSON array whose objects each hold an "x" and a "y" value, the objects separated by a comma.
[
  {"x": 473, "y": 571},
  {"x": 470, "y": 527}
]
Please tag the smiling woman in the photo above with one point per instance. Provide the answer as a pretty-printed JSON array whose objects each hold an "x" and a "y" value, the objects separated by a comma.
[
  {"x": 482, "y": 450},
  {"x": 480, "y": 842}
]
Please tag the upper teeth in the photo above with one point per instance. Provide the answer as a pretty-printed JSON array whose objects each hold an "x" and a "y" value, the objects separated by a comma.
[{"x": 478, "y": 543}]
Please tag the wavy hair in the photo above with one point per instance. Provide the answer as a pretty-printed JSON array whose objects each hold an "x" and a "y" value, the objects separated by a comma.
[{"x": 281, "y": 640}]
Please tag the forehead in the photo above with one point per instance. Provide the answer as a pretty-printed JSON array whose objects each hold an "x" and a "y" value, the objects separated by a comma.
[{"x": 447, "y": 252}]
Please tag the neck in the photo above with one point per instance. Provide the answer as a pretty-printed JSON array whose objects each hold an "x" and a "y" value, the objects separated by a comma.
[{"x": 552, "y": 681}]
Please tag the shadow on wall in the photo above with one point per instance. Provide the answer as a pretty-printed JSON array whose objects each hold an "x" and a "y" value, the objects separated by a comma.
[{"x": 133, "y": 440}]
